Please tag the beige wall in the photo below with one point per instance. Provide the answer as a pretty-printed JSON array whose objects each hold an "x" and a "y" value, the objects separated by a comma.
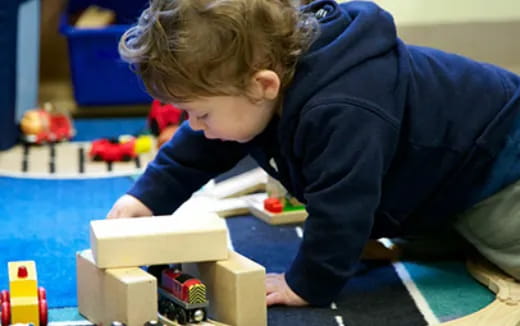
[
  {"x": 423, "y": 12},
  {"x": 481, "y": 29}
]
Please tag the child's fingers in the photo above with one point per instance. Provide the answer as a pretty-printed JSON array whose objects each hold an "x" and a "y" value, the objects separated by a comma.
[
  {"x": 273, "y": 282},
  {"x": 274, "y": 298},
  {"x": 273, "y": 289}
]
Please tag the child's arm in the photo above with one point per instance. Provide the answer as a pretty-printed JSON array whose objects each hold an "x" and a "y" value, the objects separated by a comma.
[
  {"x": 181, "y": 167},
  {"x": 345, "y": 152}
]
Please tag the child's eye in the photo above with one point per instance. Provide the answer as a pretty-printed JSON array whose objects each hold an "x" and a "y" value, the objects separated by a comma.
[{"x": 202, "y": 117}]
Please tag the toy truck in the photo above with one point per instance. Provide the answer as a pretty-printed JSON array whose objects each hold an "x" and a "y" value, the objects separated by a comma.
[
  {"x": 44, "y": 125},
  {"x": 25, "y": 302}
]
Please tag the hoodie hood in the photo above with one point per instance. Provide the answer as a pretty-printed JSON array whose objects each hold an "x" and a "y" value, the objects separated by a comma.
[{"x": 349, "y": 34}]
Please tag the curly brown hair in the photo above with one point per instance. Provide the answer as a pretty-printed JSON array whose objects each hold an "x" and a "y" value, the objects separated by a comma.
[{"x": 185, "y": 49}]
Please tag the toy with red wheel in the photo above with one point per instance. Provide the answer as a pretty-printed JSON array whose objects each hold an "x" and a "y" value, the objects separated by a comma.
[
  {"x": 125, "y": 148},
  {"x": 25, "y": 302},
  {"x": 46, "y": 125}
]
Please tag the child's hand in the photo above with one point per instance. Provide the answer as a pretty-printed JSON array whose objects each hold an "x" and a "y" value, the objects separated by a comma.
[
  {"x": 129, "y": 206},
  {"x": 278, "y": 292}
]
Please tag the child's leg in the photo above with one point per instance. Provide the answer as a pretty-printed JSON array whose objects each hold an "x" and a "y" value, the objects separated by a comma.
[{"x": 493, "y": 227}]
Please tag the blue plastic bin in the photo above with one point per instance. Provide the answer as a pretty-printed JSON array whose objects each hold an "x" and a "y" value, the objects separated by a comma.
[{"x": 99, "y": 75}]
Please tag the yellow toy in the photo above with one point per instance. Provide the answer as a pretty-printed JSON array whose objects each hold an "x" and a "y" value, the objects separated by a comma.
[{"x": 24, "y": 302}]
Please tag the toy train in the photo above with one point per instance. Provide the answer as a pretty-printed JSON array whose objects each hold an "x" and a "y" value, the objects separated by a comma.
[
  {"x": 25, "y": 302},
  {"x": 182, "y": 297}
]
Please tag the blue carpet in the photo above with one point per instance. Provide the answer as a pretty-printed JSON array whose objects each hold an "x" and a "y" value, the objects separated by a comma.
[{"x": 48, "y": 221}]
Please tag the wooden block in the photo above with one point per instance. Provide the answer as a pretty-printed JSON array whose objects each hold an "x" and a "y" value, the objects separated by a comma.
[
  {"x": 226, "y": 207},
  {"x": 256, "y": 206},
  {"x": 243, "y": 184},
  {"x": 128, "y": 295},
  {"x": 22, "y": 286},
  {"x": 236, "y": 289},
  {"x": 25, "y": 310},
  {"x": 90, "y": 284},
  {"x": 158, "y": 240}
]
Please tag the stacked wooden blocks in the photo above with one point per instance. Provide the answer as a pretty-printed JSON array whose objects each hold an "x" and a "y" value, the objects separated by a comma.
[
  {"x": 240, "y": 195},
  {"x": 112, "y": 286}
]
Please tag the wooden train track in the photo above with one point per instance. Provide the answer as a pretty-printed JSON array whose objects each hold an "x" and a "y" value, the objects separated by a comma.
[{"x": 64, "y": 160}]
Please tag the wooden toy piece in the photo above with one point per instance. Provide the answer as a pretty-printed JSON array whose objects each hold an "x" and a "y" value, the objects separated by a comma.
[
  {"x": 168, "y": 322},
  {"x": 505, "y": 310},
  {"x": 24, "y": 303},
  {"x": 226, "y": 207},
  {"x": 158, "y": 240},
  {"x": 249, "y": 204},
  {"x": 243, "y": 184},
  {"x": 90, "y": 285},
  {"x": 256, "y": 206},
  {"x": 219, "y": 198},
  {"x": 236, "y": 289},
  {"x": 95, "y": 17},
  {"x": 128, "y": 295}
]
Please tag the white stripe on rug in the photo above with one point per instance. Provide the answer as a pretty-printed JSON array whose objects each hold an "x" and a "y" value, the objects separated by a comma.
[{"x": 415, "y": 293}]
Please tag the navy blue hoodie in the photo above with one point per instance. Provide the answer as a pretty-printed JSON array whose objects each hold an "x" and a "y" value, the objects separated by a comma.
[{"x": 376, "y": 137}]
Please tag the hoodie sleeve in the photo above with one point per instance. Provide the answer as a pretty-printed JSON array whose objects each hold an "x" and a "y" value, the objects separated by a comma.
[
  {"x": 345, "y": 152},
  {"x": 181, "y": 167}
]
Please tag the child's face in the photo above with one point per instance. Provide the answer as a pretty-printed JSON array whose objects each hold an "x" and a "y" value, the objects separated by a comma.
[{"x": 229, "y": 118}]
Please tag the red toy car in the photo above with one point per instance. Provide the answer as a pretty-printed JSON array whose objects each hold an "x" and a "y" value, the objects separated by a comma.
[
  {"x": 163, "y": 115},
  {"x": 45, "y": 126},
  {"x": 125, "y": 148}
]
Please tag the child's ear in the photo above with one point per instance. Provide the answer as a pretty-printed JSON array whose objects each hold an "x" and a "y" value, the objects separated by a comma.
[{"x": 266, "y": 84}]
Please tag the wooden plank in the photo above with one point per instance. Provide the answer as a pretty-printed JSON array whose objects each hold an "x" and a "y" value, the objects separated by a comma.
[
  {"x": 243, "y": 184},
  {"x": 158, "y": 240},
  {"x": 226, "y": 207},
  {"x": 256, "y": 206}
]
